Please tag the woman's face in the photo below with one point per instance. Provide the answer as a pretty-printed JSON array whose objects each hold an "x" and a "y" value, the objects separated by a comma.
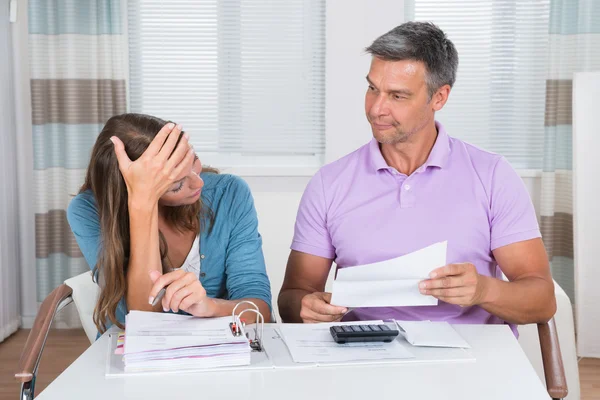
[{"x": 185, "y": 191}]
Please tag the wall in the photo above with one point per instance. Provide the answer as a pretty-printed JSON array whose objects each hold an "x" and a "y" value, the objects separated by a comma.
[{"x": 586, "y": 229}]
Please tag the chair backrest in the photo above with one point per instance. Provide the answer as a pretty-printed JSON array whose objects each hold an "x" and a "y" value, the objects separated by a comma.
[{"x": 85, "y": 295}]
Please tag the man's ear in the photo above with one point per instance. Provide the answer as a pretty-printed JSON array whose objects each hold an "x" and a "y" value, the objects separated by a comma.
[{"x": 440, "y": 97}]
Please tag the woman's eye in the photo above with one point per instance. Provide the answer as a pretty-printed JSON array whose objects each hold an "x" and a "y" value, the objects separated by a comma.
[{"x": 178, "y": 188}]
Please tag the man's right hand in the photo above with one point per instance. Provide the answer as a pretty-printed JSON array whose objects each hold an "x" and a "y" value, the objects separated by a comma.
[{"x": 316, "y": 308}]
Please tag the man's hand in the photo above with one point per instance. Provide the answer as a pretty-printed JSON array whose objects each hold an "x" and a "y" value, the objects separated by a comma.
[
  {"x": 316, "y": 308},
  {"x": 458, "y": 284}
]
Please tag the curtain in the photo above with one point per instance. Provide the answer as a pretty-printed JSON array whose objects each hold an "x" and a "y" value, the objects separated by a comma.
[
  {"x": 78, "y": 67},
  {"x": 9, "y": 227},
  {"x": 574, "y": 46}
]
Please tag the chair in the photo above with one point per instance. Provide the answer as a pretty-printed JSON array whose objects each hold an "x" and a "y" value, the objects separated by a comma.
[
  {"x": 83, "y": 292},
  {"x": 80, "y": 290},
  {"x": 561, "y": 331}
]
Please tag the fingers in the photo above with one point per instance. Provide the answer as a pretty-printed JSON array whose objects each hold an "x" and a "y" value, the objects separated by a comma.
[
  {"x": 446, "y": 282},
  {"x": 451, "y": 292},
  {"x": 164, "y": 280},
  {"x": 182, "y": 150},
  {"x": 315, "y": 308},
  {"x": 154, "y": 275},
  {"x": 193, "y": 299},
  {"x": 184, "y": 167},
  {"x": 159, "y": 139},
  {"x": 312, "y": 317},
  {"x": 448, "y": 270},
  {"x": 122, "y": 157},
  {"x": 323, "y": 308},
  {"x": 179, "y": 284},
  {"x": 191, "y": 293},
  {"x": 170, "y": 143}
]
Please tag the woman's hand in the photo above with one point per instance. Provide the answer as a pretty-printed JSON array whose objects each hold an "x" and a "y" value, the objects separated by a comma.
[
  {"x": 151, "y": 175},
  {"x": 184, "y": 292}
]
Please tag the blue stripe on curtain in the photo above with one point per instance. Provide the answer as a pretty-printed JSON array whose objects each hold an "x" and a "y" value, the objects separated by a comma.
[
  {"x": 558, "y": 148},
  {"x": 55, "y": 17},
  {"x": 63, "y": 145},
  {"x": 569, "y": 17}
]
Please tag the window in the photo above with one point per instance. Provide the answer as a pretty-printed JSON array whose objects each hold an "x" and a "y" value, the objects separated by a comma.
[
  {"x": 245, "y": 78},
  {"x": 498, "y": 100}
]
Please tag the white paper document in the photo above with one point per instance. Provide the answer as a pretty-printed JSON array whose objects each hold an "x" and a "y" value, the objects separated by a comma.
[
  {"x": 312, "y": 343},
  {"x": 431, "y": 334},
  {"x": 390, "y": 283},
  {"x": 161, "y": 341}
]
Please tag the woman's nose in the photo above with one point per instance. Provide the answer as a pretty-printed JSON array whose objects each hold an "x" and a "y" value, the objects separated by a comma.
[{"x": 196, "y": 182}]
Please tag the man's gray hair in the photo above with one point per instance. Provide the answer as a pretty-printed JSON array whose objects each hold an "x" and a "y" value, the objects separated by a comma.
[{"x": 420, "y": 41}]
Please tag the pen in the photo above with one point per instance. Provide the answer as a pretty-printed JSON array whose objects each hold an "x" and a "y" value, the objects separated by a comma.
[{"x": 159, "y": 296}]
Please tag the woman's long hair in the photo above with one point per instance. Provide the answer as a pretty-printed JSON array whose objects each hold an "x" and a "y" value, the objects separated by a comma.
[{"x": 104, "y": 179}]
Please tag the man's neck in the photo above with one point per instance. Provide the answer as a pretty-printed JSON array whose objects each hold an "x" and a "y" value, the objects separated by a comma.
[{"x": 406, "y": 157}]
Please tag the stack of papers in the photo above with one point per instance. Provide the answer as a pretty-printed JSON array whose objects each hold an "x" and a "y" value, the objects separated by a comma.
[
  {"x": 391, "y": 283},
  {"x": 167, "y": 342},
  {"x": 313, "y": 343}
]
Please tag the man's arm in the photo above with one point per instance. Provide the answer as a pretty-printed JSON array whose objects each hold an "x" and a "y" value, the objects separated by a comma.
[
  {"x": 528, "y": 297},
  {"x": 301, "y": 298}
]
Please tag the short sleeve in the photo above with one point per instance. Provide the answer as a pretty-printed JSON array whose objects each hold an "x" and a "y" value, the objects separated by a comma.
[
  {"x": 513, "y": 216},
  {"x": 82, "y": 215},
  {"x": 310, "y": 233}
]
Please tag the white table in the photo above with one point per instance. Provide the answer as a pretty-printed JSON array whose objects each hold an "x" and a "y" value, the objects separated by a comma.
[{"x": 501, "y": 371}]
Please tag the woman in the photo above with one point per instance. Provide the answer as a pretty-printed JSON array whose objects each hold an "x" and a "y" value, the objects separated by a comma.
[{"x": 148, "y": 216}]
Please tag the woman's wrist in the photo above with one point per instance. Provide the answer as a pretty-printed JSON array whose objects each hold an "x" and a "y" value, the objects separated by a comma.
[{"x": 142, "y": 204}]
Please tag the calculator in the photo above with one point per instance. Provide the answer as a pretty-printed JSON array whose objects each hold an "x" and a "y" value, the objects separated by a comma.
[{"x": 363, "y": 333}]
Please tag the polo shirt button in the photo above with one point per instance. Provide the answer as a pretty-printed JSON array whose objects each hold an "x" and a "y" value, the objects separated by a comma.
[{"x": 406, "y": 187}]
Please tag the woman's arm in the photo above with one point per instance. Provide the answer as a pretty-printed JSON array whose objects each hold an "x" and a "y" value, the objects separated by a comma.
[
  {"x": 167, "y": 159},
  {"x": 144, "y": 254},
  {"x": 245, "y": 263},
  {"x": 185, "y": 292},
  {"x": 245, "y": 272}
]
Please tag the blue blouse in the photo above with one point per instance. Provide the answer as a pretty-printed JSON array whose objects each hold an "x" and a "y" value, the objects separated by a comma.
[{"x": 233, "y": 265}]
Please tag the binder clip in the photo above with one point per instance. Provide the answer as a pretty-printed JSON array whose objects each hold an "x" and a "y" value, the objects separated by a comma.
[{"x": 237, "y": 324}]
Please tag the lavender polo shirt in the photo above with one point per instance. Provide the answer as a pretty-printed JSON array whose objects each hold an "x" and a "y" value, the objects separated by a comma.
[{"x": 358, "y": 210}]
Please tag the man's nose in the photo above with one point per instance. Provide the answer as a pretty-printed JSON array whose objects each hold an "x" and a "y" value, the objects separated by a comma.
[{"x": 379, "y": 107}]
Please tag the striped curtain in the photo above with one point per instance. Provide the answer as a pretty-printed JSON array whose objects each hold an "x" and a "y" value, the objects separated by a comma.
[
  {"x": 574, "y": 47},
  {"x": 77, "y": 51}
]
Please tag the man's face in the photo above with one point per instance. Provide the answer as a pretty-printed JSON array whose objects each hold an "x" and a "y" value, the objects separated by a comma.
[{"x": 397, "y": 103}]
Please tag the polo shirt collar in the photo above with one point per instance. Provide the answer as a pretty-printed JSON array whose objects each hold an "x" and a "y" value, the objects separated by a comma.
[{"x": 437, "y": 158}]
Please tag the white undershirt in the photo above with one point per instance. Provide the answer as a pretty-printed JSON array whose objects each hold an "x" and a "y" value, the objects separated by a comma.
[{"x": 192, "y": 261}]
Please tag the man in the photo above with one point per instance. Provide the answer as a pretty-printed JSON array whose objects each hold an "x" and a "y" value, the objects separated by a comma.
[{"x": 412, "y": 186}]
